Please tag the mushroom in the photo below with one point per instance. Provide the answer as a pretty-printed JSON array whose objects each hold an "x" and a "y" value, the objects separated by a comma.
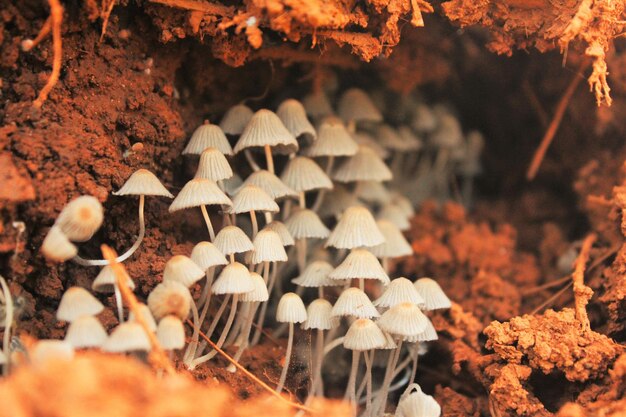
[
  {"x": 319, "y": 318},
  {"x": 414, "y": 403},
  {"x": 169, "y": 297},
  {"x": 365, "y": 165},
  {"x": 424, "y": 120},
  {"x": 316, "y": 105},
  {"x": 232, "y": 240},
  {"x": 233, "y": 281},
  {"x": 127, "y": 337},
  {"x": 360, "y": 264},
  {"x": 251, "y": 199},
  {"x": 106, "y": 282},
  {"x": 57, "y": 247},
  {"x": 362, "y": 336},
  {"x": 77, "y": 302},
  {"x": 372, "y": 192},
  {"x": 171, "y": 333},
  {"x": 146, "y": 315},
  {"x": 182, "y": 269},
  {"x": 293, "y": 115},
  {"x": 303, "y": 174},
  {"x": 200, "y": 192},
  {"x": 304, "y": 224},
  {"x": 315, "y": 275},
  {"x": 50, "y": 350},
  {"x": 394, "y": 246},
  {"x": 213, "y": 166},
  {"x": 85, "y": 332},
  {"x": 265, "y": 130},
  {"x": 80, "y": 218},
  {"x": 400, "y": 290},
  {"x": 396, "y": 215},
  {"x": 356, "y": 106},
  {"x": 355, "y": 303},
  {"x": 235, "y": 120},
  {"x": 336, "y": 202},
  {"x": 366, "y": 140},
  {"x": 290, "y": 310},
  {"x": 356, "y": 228},
  {"x": 433, "y": 295},
  {"x": 208, "y": 136}
]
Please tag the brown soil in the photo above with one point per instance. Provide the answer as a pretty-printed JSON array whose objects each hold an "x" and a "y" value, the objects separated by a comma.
[{"x": 130, "y": 100}]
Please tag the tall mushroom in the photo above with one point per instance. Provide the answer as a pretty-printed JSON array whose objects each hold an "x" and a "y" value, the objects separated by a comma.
[
  {"x": 290, "y": 310},
  {"x": 293, "y": 115},
  {"x": 250, "y": 199},
  {"x": 304, "y": 224},
  {"x": 200, "y": 192},
  {"x": 208, "y": 136},
  {"x": 319, "y": 318},
  {"x": 360, "y": 264}
]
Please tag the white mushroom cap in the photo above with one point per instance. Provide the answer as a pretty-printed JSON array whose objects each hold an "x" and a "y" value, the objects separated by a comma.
[
  {"x": 396, "y": 215},
  {"x": 429, "y": 334},
  {"x": 315, "y": 275},
  {"x": 360, "y": 263},
  {"x": 337, "y": 201},
  {"x": 317, "y": 105},
  {"x": 259, "y": 292},
  {"x": 268, "y": 247},
  {"x": 366, "y": 141},
  {"x": 270, "y": 183},
  {"x": 389, "y": 138},
  {"x": 50, "y": 350},
  {"x": 146, "y": 315},
  {"x": 232, "y": 184},
  {"x": 234, "y": 279},
  {"x": 424, "y": 120},
  {"x": 85, "y": 332},
  {"x": 283, "y": 232},
  {"x": 80, "y": 218},
  {"x": 232, "y": 239},
  {"x": 404, "y": 203},
  {"x": 182, "y": 269},
  {"x": 57, "y": 247},
  {"x": 410, "y": 140},
  {"x": 105, "y": 281},
  {"x": 291, "y": 112},
  {"x": 417, "y": 404},
  {"x": 372, "y": 192},
  {"x": 304, "y": 223},
  {"x": 236, "y": 119},
  {"x": 389, "y": 342},
  {"x": 198, "y": 192},
  {"x": 266, "y": 128},
  {"x": 404, "y": 319},
  {"x": 127, "y": 337},
  {"x": 433, "y": 295},
  {"x": 400, "y": 290},
  {"x": 252, "y": 198},
  {"x": 354, "y": 302},
  {"x": 290, "y": 309},
  {"x": 143, "y": 182},
  {"x": 208, "y": 136},
  {"x": 448, "y": 134},
  {"x": 364, "y": 334},
  {"x": 171, "y": 333},
  {"x": 213, "y": 166},
  {"x": 206, "y": 255},
  {"x": 365, "y": 165},
  {"x": 355, "y": 105},
  {"x": 319, "y": 316},
  {"x": 303, "y": 174},
  {"x": 169, "y": 297},
  {"x": 395, "y": 245},
  {"x": 77, "y": 302},
  {"x": 356, "y": 228},
  {"x": 333, "y": 139}
]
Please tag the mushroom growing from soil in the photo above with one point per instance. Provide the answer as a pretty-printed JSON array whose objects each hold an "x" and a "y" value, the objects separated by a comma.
[
  {"x": 77, "y": 302},
  {"x": 433, "y": 295},
  {"x": 414, "y": 403},
  {"x": 80, "y": 218},
  {"x": 170, "y": 297},
  {"x": 319, "y": 318},
  {"x": 250, "y": 199},
  {"x": 356, "y": 106},
  {"x": 365, "y": 165},
  {"x": 266, "y": 130},
  {"x": 213, "y": 166},
  {"x": 200, "y": 192},
  {"x": 85, "y": 332},
  {"x": 236, "y": 119},
  {"x": 291, "y": 112},
  {"x": 304, "y": 224},
  {"x": 105, "y": 282},
  {"x": 57, "y": 247},
  {"x": 360, "y": 264},
  {"x": 171, "y": 333},
  {"x": 394, "y": 246},
  {"x": 127, "y": 337},
  {"x": 290, "y": 310},
  {"x": 302, "y": 174},
  {"x": 208, "y": 136}
]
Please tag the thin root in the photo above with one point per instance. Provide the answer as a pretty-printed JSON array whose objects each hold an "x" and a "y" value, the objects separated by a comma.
[
  {"x": 56, "y": 19},
  {"x": 582, "y": 293}
]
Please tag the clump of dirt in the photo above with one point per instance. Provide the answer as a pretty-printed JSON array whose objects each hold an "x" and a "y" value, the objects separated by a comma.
[{"x": 103, "y": 385}]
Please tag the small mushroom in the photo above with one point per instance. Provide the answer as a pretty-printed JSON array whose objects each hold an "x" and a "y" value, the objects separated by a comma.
[
  {"x": 207, "y": 136},
  {"x": 171, "y": 333},
  {"x": 127, "y": 337},
  {"x": 433, "y": 295},
  {"x": 86, "y": 332},
  {"x": 293, "y": 115},
  {"x": 250, "y": 199},
  {"x": 80, "y": 218},
  {"x": 356, "y": 228},
  {"x": 232, "y": 240},
  {"x": 354, "y": 303},
  {"x": 77, "y": 302},
  {"x": 236, "y": 119},
  {"x": 319, "y": 318},
  {"x": 360, "y": 264},
  {"x": 290, "y": 310}
]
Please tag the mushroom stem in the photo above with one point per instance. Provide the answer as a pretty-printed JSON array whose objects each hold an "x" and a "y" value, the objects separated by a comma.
[
  {"x": 301, "y": 246},
  {"x": 317, "y": 384},
  {"x": 219, "y": 313},
  {"x": 283, "y": 375},
  {"x": 205, "y": 309},
  {"x": 118, "y": 303},
  {"x": 414, "y": 358},
  {"x": 369, "y": 358},
  {"x": 322, "y": 193},
  {"x": 245, "y": 333},
  {"x": 320, "y": 292},
  {"x": 351, "y": 126},
  {"x": 205, "y": 296},
  {"x": 255, "y": 223},
  {"x": 263, "y": 312},
  {"x": 269, "y": 158},
  {"x": 8, "y": 321},
  {"x": 385, "y": 264},
  {"x": 220, "y": 341},
  {"x": 142, "y": 232},
  {"x": 191, "y": 348},
  {"x": 331, "y": 345},
  {"x": 362, "y": 284},
  {"x": 255, "y": 167},
  {"x": 379, "y": 408},
  {"x": 351, "y": 388},
  {"x": 302, "y": 199},
  {"x": 207, "y": 220}
]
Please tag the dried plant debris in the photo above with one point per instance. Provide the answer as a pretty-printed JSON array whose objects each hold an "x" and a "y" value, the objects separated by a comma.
[{"x": 583, "y": 25}]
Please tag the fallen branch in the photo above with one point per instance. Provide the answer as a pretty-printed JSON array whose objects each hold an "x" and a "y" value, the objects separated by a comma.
[
  {"x": 582, "y": 293},
  {"x": 250, "y": 374},
  {"x": 157, "y": 356},
  {"x": 540, "y": 153}
]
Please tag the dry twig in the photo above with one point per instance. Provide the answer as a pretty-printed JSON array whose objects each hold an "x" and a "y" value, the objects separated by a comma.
[
  {"x": 582, "y": 293},
  {"x": 157, "y": 356}
]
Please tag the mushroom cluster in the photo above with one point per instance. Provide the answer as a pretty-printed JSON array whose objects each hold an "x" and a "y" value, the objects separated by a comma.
[{"x": 304, "y": 235}]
